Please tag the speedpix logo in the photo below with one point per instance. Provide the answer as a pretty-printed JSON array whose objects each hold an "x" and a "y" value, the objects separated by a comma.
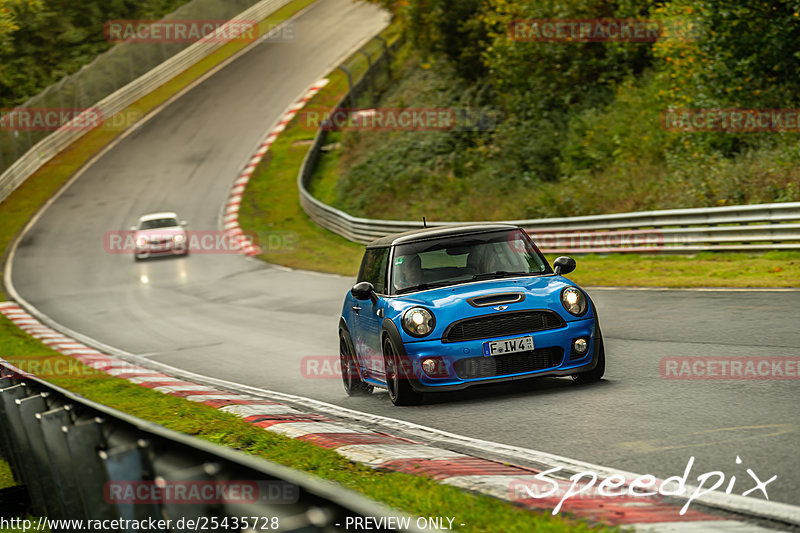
[{"x": 588, "y": 484}]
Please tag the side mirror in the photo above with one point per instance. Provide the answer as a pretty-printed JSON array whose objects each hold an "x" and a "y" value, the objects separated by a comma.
[
  {"x": 134, "y": 228},
  {"x": 363, "y": 291},
  {"x": 563, "y": 265},
  {"x": 184, "y": 223}
]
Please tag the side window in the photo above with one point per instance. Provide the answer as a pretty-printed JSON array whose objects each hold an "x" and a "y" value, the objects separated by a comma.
[{"x": 373, "y": 268}]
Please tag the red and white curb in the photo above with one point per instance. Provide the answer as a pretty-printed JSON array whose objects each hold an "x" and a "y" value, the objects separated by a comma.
[
  {"x": 230, "y": 218},
  {"x": 383, "y": 450}
]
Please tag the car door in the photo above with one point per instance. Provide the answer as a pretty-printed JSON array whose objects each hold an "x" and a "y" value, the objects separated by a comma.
[{"x": 368, "y": 314}]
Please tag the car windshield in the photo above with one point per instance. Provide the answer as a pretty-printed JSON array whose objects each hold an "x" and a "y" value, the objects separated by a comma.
[
  {"x": 158, "y": 223},
  {"x": 461, "y": 259}
]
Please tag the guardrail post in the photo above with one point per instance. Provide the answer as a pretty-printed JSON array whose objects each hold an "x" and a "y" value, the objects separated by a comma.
[
  {"x": 130, "y": 463},
  {"x": 349, "y": 84},
  {"x": 387, "y": 55},
  {"x": 29, "y": 408},
  {"x": 369, "y": 75},
  {"x": 6, "y": 446},
  {"x": 19, "y": 443},
  {"x": 67, "y": 487},
  {"x": 85, "y": 439},
  {"x": 198, "y": 473}
]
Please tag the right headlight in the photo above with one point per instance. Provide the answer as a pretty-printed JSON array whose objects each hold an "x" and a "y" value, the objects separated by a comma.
[
  {"x": 574, "y": 301},
  {"x": 418, "y": 322}
]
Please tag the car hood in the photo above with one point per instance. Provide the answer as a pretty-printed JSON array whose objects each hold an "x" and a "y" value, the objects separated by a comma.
[{"x": 449, "y": 304}]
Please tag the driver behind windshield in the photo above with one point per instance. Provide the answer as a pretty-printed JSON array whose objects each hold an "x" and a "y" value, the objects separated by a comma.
[{"x": 409, "y": 273}]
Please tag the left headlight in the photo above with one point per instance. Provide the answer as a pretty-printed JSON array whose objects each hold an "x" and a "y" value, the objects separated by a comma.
[
  {"x": 418, "y": 322},
  {"x": 574, "y": 301},
  {"x": 178, "y": 237}
]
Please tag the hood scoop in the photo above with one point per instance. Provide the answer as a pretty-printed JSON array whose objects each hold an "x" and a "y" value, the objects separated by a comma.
[{"x": 496, "y": 299}]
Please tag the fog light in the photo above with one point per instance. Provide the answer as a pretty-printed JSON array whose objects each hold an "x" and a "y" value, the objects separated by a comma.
[
  {"x": 580, "y": 346},
  {"x": 434, "y": 367}
]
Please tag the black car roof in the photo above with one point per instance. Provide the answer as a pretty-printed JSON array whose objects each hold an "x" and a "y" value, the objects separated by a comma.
[{"x": 437, "y": 232}]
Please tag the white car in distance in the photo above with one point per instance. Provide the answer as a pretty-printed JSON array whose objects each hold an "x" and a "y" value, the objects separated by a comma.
[{"x": 160, "y": 234}]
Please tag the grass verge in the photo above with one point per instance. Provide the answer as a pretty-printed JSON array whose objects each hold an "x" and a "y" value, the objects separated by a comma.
[
  {"x": 413, "y": 494},
  {"x": 707, "y": 269}
]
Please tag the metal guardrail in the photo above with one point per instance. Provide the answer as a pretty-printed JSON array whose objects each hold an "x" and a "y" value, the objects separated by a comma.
[
  {"x": 80, "y": 460},
  {"x": 732, "y": 228},
  {"x": 45, "y": 149}
]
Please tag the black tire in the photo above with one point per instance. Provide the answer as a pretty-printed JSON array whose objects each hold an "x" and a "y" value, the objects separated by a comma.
[
  {"x": 353, "y": 384},
  {"x": 596, "y": 374},
  {"x": 397, "y": 376}
]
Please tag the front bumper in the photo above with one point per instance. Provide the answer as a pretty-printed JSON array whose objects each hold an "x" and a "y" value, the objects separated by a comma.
[
  {"x": 161, "y": 249},
  {"x": 557, "y": 342}
]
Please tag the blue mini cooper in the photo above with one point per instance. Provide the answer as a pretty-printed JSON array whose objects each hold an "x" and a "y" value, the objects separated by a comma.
[{"x": 448, "y": 307}]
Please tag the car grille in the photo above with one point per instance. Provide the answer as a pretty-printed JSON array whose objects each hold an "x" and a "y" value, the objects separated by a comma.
[
  {"x": 513, "y": 363},
  {"x": 501, "y": 325}
]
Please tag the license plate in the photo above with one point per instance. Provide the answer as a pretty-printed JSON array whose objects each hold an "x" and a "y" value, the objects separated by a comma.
[{"x": 520, "y": 344}]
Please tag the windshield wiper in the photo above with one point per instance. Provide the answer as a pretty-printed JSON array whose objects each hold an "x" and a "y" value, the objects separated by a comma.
[
  {"x": 499, "y": 274},
  {"x": 426, "y": 286}
]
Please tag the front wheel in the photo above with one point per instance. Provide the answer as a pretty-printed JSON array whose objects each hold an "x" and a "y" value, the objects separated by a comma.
[
  {"x": 397, "y": 376},
  {"x": 597, "y": 372},
  {"x": 353, "y": 384}
]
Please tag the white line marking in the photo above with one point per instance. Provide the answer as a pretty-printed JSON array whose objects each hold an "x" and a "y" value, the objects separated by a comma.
[
  {"x": 244, "y": 411},
  {"x": 703, "y": 526},
  {"x": 204, "y": 397},
  {"x": 166, "y": 389},
  {"x": 154, "y": 379},
  {"x": 376, "y": 454},
  {"x": 301, "y": 429}
]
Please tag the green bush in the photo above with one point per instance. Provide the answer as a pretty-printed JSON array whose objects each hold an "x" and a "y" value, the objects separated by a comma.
[
  {"x": 582, "y": 129},
  {"x": 41, "y": 41}
]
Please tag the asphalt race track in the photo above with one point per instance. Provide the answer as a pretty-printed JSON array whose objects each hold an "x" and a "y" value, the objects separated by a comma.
[{"x": 240, "y": 320}]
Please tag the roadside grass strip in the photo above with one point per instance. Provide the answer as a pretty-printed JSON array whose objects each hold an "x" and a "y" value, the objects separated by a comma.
[
  {"x": 376, "y": 464},
  {"x": 413, "y": 476}
]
